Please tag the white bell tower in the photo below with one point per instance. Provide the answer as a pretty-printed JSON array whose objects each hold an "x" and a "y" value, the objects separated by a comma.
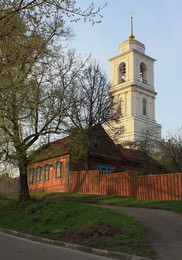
[{"x": 132, "y": 90}]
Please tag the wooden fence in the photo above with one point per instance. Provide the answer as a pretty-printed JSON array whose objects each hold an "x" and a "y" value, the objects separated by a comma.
[
  {"x": 153, "y": 187},
  {"x": 8, "y": 186},
  {"x": 160, "y": 187},
  {"x": 94, "y": 183}
]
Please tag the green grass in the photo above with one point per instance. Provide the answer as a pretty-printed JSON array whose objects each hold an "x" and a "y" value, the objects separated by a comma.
[
  {"x": 49, "y": 214},
  {"x": 113, "y": 200}
]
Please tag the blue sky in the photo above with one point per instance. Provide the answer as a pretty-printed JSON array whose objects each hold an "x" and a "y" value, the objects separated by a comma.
[{"x": 157, "y": 24}]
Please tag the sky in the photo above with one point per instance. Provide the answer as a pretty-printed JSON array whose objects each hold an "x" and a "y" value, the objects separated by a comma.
[{"x": 158, "y": 25}]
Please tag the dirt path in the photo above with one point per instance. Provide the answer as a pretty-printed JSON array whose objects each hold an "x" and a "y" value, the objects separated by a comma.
[{"x": 164, "y": 229}]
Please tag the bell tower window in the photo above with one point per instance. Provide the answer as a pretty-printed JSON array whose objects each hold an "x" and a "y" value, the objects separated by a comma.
[
  {"x": 143, "y": 73},
  {"x": 122, "y": 72},
  {"x": 144, "y": 106},
  {"x": 120, "y": 107}
]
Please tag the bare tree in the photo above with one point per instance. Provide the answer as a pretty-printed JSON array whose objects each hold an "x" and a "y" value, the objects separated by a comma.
[
  {"x": 171, "y": 151},
  {"x": 147, "y": 145},
  {"x": 90, "y": 106},
  {"x": 90, "y": 100}
]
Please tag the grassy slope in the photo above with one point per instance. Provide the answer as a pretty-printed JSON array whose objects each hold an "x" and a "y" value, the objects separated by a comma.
[
  {"x": 114, "y": 200},
  {"x": 49, "y": 214}
]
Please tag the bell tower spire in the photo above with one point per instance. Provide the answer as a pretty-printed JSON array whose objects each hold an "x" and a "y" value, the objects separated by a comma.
[
  {"x": 132, "y": 91},
  {"x": 131, "y": 26}
]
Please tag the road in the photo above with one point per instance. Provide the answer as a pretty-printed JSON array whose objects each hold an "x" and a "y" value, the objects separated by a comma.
[
  {"x": 14, "y": 248},
  {"x": 164, "y": 229}
]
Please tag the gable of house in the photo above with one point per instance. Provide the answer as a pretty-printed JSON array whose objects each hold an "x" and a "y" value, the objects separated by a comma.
[
  {"x": 50, "y": 165},
  {"x": 138, "y": 159}
]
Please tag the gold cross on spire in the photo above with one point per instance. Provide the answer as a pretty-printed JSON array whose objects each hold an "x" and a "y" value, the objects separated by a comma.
[{"x": 131, "y": 26}]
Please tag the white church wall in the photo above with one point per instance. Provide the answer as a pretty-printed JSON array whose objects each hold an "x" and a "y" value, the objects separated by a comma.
[{"x": 135, "y": 93}]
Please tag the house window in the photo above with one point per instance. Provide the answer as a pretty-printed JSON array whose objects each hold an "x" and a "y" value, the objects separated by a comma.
[
  {"x": 58, "y": 170},
  {"x": 144, "y": 106},
  {"x": 139, "y": 173},
  {"x": 31, "y": 176},
  {"x": 150, "y": 173},
  {"x": 104, "y": 169},
  {"x": 128, "y": 170},
  {"x": 46, "y": 172},
  {"x": 38, "y": 174}
]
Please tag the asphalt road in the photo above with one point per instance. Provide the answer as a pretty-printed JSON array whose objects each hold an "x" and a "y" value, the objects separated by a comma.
[
  {"x": 14, "y": 248},
  {"x": 164, "y": 229}
]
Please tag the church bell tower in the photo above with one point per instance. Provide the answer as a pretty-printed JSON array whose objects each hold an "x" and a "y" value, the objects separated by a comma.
[{"x": 132, "y": 90}]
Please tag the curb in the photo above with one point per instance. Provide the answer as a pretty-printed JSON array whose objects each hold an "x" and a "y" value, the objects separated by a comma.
[{"x": 86, "y": 249}]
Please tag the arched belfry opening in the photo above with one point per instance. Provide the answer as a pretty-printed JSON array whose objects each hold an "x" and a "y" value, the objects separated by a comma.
[
  {"x": 132, "y": 88},
  {"x": 143, "y": 73},
  {"x": 122, "y": 72}
]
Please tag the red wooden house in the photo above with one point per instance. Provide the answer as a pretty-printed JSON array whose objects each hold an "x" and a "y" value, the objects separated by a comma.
[{"x": 50, "y": 166}]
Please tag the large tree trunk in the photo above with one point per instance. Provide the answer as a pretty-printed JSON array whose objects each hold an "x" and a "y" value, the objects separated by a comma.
[{"x": 23, "y": 190}]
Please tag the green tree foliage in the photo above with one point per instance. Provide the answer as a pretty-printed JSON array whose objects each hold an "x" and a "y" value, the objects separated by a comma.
[
  {"x": 79, "y": 147},
  {"x": 37, "y": 9},
  {"x": 34, "y": 91}
]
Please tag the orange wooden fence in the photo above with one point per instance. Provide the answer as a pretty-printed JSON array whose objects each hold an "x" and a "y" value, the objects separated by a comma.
[
  {"x": 160, "y": 187},
  {"x": 92, "y": 182},
  {"x": 153, "y": 187}
]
